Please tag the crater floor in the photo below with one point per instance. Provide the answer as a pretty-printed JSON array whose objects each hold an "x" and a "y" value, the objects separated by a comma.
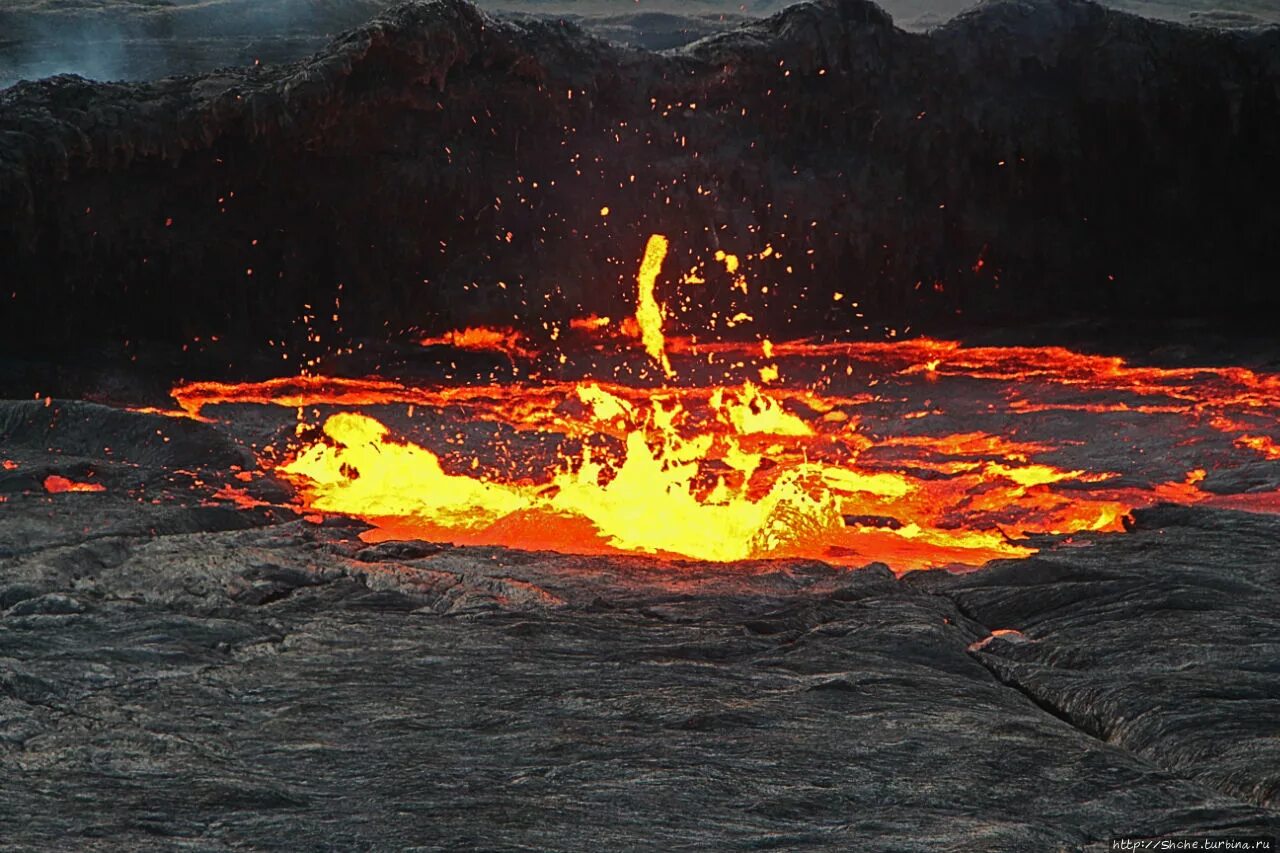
[{"x": 180, "y": 671}]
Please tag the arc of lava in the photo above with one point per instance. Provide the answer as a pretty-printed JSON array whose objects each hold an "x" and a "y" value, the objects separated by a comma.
[{"x": 648, "y": 312}]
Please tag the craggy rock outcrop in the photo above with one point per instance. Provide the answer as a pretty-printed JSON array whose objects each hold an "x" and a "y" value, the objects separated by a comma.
[
  {"x": 1032, "y": 158},
  {"x": 172, "y": 675}
]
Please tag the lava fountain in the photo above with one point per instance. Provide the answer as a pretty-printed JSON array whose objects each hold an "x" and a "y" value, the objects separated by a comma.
[{"x": 918, "y": 453}]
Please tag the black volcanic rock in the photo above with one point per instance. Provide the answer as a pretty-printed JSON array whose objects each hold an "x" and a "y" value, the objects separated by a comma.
[
  {"x": 554, "y": 702},
  {"x": 171, "y": 679},
  {"x": 439, "y": 167},
  {"x": 1165, "y": 643}
]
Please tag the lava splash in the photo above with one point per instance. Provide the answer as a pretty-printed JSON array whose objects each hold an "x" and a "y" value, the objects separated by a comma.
[{"x": 917, "y": 453}]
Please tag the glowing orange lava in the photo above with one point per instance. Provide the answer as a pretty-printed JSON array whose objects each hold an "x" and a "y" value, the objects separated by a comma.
[
  {"x": 916, "y": 453},
  {"x": 56, "y": 485},
  {"x": 730, "y": 472},
  {"x": 482, "y": 339}
]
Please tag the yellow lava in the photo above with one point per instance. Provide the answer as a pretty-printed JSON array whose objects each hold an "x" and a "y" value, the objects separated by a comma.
[
  {"x": 649, "y": 315},
  {"x": 649, "y": 500},
  {"x": 359, "y": 466},
  {"x": 752, "y": 412},
  {"x": 732, "y": 472}
]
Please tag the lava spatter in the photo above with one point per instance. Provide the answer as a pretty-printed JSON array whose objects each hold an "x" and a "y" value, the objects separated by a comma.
[
  {"x": 917, "y": 453},
  {"x": 729, "y": 472}
]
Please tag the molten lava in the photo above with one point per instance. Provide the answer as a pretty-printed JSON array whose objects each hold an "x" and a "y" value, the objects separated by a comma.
[
  {"x": 480, "y": 339},
  {"x": 917, "y": 453},
  {"x": 649, "y": 314},
  {"x": 55, "y": 484}
]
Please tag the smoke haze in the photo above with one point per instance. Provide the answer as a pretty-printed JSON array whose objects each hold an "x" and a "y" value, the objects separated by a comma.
[{"x": 147, "y": 39}]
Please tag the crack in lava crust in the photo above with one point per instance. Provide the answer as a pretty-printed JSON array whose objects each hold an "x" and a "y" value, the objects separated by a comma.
[{"x": 919, "y": 453}]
